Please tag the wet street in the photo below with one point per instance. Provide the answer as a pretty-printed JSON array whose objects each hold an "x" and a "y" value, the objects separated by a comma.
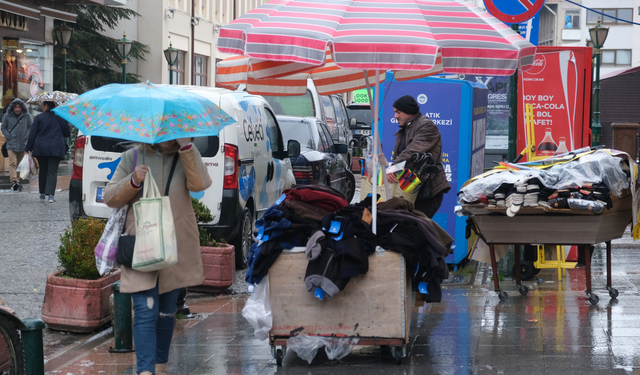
[{"x": 552, "y": 330}]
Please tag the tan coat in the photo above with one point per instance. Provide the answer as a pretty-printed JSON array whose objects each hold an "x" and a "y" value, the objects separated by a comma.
[{"x": 190, "y": 175}]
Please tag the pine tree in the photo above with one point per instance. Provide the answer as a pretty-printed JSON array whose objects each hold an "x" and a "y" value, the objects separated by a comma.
[{"x": 92, "y": 58}]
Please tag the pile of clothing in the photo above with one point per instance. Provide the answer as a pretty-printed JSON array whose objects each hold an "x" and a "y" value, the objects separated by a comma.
[{"x": 338, "y": 239}]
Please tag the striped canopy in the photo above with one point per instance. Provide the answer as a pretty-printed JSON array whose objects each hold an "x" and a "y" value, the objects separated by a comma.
[
  {"x": 329, "y": 79},
  {"x": 400, "y": 35}
]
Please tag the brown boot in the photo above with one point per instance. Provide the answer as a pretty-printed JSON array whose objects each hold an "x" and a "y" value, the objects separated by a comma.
[{"x": 161, "y": 369}]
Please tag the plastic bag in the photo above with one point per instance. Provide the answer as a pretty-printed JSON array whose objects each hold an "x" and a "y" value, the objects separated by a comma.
[
  {"x": 107, "y": 248},
  {"x": 257, "y": 310},
  {"x": 306, "y": 347},
  {"x": 586, "y": 205},
  {"x": 23, "y": 168},
  {"x": 33, "y": 166}
]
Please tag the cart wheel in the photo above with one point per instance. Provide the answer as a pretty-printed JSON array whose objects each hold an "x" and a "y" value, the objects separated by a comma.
[
  {"x": 527, "y": 270},
  {"x": 594, "y": 299},
  {"x": 503, "y": 296},
  {"x": 396, "y": 352},
  {"x": 279, "y": 357},
  {"x": 613, "y": 293},
  {"x": 536, "y": 271},
  {"x": 523, "y": 290}
]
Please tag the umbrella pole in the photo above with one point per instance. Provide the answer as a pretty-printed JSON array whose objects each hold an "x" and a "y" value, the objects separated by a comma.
[
  {"x": 373, "y": 113},
  {"x": 376, "y": 140}
]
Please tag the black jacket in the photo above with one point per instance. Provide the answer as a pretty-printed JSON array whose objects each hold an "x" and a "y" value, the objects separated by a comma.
[{"x": 47, "y": 134}]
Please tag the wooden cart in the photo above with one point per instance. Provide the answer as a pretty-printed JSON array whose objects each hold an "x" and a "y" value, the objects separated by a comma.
[
  {"x": 538, "y": 226},
  {"x": 375, "y": 307}
]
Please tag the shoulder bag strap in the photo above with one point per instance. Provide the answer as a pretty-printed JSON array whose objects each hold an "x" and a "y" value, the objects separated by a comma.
[
  {"x": 14, "y": 126},
  {"x": 173, "y": 167},
  {"x": 135, "y": 160}
]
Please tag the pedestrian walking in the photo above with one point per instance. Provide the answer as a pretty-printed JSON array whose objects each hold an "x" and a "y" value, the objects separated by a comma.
[
  {"x": 16, "y": 123},
  {"x": 418, "y": 134},
  {"x": 46, "y": 143},
  {"x": 155, "y": 293}
]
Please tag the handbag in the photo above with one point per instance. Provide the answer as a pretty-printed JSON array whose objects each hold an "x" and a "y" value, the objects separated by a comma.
[
  {"x": 107, "y": 251},
  {"x": 4, "y": 151},
  {"x": 126, "y": 242},
  {"x": 66, "y": 145}
]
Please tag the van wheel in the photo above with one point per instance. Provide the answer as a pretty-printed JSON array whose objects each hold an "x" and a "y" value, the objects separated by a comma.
[
  {"x": 244, "y": 239},
  {"x": 349, "y": 186}
]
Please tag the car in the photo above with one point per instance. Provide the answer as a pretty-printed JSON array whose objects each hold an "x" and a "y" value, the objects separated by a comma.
[
  {"x": 320, "y": 161},
  {"x": 360, "y": 123},
  {"x": 329, "y": 109},
  {"x": 246, "y": 161}
]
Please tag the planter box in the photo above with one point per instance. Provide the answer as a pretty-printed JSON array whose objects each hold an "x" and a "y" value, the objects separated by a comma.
[
  {"x": 76, "y": 305},
  {"x": 219, "y": 269},
  {"x": 355, "y": 165}
]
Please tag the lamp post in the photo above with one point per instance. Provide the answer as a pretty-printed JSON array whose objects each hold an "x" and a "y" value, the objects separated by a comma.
[
  {"x": 598, "y": 35},
  {"x": 124, "y": 48},
  {"x": 171, "y": 55},
  {"x": 63, "y": 35}
]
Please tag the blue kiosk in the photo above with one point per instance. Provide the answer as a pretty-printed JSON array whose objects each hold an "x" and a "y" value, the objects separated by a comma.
[{"x": 459, "y": 109}]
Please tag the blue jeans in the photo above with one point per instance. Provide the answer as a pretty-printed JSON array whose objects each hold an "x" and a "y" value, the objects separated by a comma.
[{"x": 153, "y": 327}]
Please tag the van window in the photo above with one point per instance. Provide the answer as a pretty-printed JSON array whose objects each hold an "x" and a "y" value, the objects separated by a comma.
[
  {"x": 298, "y": 105},
  {"x": 340, "y": 115},
  {"x": 274, "y": 133},
  {"x": 329, "y": 112},
  {"x": 208, "y": 146}
]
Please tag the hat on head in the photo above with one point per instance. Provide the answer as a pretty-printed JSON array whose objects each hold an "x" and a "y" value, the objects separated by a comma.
[{"x": 407, "y": 104}]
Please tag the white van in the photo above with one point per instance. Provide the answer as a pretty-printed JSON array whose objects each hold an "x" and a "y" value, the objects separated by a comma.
[
  {"x": 246, "y": 161},
  {"x": 329, "y": 109}
]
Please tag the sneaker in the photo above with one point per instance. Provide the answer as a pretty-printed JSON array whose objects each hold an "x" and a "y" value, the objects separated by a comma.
[
  {"x": 51, "y": 199},
  {"x": 15, "y": 186},
  {"x": 42, "y": 197}
]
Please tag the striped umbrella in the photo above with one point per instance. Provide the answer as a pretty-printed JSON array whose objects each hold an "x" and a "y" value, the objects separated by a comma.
[
  {"x": 405, "y": 36},
  {"x": 378, "y": 34},
  {"x": 329, "y": 79}
]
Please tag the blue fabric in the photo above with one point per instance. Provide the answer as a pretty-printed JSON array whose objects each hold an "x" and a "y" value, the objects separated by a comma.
[
  {"x": 46, "y": 137},
  {"x": 151, "y": 331}
]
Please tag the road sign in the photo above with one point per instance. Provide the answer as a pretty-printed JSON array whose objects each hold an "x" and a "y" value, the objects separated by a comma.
[{"x": 513, "y": 11}]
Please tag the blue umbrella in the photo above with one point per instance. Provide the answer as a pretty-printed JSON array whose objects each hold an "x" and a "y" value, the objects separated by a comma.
[{"x": 144, "y": 112}]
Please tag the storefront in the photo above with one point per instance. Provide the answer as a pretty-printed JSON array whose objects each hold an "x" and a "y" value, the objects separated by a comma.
[{"x": 27, "y": 46}]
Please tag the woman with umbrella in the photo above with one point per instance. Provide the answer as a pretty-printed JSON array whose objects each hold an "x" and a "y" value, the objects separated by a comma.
[{"x": 155, "y": 294}]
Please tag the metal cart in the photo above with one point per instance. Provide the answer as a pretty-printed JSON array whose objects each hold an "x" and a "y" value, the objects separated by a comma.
[
  {"x": 375, "y": 307},
  {"x": 537, "y": 225}
]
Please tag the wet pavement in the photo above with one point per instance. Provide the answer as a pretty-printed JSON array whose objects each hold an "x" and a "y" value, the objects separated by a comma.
[{"x": 552, "y": 330}]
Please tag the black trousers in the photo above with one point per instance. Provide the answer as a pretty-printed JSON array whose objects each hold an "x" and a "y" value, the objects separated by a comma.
[
  {"x": 431, "y": 205},
  {"x": 48, "y": 177}
]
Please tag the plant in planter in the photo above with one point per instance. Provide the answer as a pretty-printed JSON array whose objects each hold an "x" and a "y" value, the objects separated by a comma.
[
  {"x": 218, "y": 257},
  {"x": 76, "y": 297}
]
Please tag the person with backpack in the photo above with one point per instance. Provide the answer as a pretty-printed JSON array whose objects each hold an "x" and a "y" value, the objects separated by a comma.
[
  {"x": 16, "y": 123},
  {"x": 46, "y": 143}
]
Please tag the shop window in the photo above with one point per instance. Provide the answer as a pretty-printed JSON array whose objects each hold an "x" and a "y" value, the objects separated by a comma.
[
  {"x": 624, "y": 14},
  {"x": 201, "y": 73},
  {"x": 178, "y": 69},
  {"x": 616, "y": 57}
]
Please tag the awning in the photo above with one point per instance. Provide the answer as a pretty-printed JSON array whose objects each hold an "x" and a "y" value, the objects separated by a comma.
[
  {"x": 58, "y": 14},
  {"x": 19, "y": 10}
]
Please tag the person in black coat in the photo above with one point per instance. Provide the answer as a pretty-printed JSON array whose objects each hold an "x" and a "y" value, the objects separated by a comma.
[{"x": 46, "y": 143}]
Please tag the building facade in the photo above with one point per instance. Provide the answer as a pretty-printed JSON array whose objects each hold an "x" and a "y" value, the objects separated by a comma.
[{"x": 191, "y": 26}]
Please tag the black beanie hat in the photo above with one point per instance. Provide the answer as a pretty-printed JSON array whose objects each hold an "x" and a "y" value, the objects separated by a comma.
[{"x": 407, "y": 104}]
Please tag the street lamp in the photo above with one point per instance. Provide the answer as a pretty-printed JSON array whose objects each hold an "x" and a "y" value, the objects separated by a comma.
[
  {"x": 598, "y": 35},
  {"x": 124, "y": 48},
  {"x": 63, "y": 35},
  {"x": 171, "y": 55}
]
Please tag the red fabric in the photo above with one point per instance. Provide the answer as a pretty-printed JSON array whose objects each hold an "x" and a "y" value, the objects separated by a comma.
[
  {"x": 326, "y": 201},
  {"x": 186, "y": 147}
]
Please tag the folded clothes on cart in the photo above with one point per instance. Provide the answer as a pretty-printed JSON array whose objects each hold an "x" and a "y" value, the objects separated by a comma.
[
  {"x": 339, "y": 239},
  {"x": 583, "y": 183}
]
